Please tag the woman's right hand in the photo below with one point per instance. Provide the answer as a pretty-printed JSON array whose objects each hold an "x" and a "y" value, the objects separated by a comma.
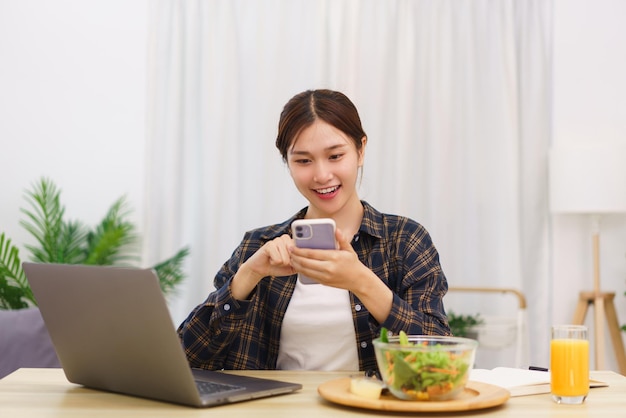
[{"x": 272, "y": 259}]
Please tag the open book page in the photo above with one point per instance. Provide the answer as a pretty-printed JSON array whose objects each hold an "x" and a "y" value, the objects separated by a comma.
[{"x": 519, "y": 382}]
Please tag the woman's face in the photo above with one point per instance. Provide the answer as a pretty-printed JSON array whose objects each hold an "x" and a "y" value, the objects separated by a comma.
[{"x": 324, "y": 164}]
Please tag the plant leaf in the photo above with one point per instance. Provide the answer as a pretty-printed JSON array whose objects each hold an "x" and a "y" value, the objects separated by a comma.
[
  {"x": 112, "y": 241},
  {"x": 46, "y": 218},
  {"x": 15, "y": 293},
  {"x": 170, "y": 271},
  {"x": 59, "y": 241}
]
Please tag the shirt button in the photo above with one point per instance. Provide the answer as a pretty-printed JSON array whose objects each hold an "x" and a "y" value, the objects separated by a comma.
[
  {"x": 363, "y": 344},
  {"x": 226, "y": 307},
  {"x": 357, "y": 308}
]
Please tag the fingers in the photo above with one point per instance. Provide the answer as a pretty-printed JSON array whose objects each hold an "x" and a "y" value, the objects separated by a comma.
[
  {"x": 273, "y": 258},
  {"x": 318, "y": 268},
  {"x": 278, "y": 252}
]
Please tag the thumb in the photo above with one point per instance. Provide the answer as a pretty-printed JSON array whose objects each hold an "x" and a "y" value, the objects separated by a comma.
[{"x": 344, "y": 242}]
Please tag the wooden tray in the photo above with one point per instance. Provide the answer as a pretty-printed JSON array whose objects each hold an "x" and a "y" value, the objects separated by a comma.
[{"x": 476, "y": 395}]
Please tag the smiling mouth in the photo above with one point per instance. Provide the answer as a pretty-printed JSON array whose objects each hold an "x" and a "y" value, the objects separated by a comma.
[{"x": 327, "y": 190}]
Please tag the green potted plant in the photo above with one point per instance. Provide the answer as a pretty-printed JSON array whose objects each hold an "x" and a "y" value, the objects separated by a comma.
[
  {"x": 112, "y": 242},
  {"x": 461, "y": 325},
  {"x": 25, "y": 341}
]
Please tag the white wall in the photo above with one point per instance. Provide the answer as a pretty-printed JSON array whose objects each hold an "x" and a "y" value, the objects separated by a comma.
[
  {"x": 72, "y": 105},
  {"x": 589, "y": 105}
]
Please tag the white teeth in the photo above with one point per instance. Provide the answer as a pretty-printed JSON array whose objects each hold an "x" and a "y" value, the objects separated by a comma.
[{"x": 328, "y": 190}]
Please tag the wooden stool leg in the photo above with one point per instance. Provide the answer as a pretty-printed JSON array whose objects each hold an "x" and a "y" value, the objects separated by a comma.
[
  {"x": 616, "y": 334},
  {"x": 599, "y": 315},
  {"x": 604, "y": 309}
]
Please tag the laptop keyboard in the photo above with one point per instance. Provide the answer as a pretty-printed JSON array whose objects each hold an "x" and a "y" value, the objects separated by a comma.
[{"x": 208, "y": 388}]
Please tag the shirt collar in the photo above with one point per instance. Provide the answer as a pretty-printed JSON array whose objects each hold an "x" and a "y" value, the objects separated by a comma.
[{"x": 371, "y": 224}]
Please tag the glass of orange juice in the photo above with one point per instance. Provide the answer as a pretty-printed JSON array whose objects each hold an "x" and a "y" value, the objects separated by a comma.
[{"x": 569, "y": 364}]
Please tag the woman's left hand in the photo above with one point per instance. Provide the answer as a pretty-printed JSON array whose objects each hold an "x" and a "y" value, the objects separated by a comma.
[
  {"x": 342, "y": 268},
  {"x": 337, "y": 268}
]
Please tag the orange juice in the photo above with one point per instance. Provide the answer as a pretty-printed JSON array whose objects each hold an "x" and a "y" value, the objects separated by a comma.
[{"x": 569, "y": 367}]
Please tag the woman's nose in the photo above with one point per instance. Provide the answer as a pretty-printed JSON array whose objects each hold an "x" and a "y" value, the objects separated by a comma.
[{"x": 322, "y": 173}]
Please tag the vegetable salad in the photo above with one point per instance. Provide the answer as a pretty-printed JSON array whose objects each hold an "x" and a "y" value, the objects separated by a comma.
[{"x": 424, "y": 370}]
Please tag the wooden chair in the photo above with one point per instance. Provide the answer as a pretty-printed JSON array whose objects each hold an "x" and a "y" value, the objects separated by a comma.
[{"x": 519, "y": 321}]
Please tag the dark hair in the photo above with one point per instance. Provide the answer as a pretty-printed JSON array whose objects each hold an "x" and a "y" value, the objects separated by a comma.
[{"x": 305, "y": 108}]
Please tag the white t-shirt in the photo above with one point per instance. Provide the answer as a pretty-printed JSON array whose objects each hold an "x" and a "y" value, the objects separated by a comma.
[{"x": 318, "y": 331}]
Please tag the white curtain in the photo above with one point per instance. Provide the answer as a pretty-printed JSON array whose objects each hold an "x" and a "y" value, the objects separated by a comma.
[{"x": 453, "y": 94}]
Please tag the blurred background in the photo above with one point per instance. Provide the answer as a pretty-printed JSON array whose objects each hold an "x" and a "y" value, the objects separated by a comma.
[{"x": 175, "y": 104}]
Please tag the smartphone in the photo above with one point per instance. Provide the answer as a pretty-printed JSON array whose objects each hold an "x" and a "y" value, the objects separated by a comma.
[{"x": 316, "y": 234}]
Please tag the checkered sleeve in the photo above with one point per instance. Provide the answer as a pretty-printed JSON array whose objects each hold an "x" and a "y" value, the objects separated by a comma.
[
  {"x": 211, "y": 327},
  {"x": 420, "y": 285}
]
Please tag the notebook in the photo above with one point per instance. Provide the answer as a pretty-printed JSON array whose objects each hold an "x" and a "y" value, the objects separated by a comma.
[
  {"x": 112, "y": 331},
  {"x": 520, "y": 382}
]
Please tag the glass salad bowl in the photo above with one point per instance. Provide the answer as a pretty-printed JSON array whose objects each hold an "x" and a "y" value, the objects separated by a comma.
[{"x": 424, "y": 368}]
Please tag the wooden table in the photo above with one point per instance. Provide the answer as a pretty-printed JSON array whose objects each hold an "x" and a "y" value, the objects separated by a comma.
[{"x": 46, "y": 393}]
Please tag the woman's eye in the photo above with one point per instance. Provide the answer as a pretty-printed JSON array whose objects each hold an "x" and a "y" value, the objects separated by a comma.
[{"x": 336, "y": 156}]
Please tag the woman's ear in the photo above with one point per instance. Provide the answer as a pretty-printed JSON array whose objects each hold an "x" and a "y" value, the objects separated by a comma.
[{"x": 362, "y": 151}]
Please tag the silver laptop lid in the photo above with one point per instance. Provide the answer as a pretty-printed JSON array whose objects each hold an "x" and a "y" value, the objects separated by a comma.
[{"x": 112, "y": 330}]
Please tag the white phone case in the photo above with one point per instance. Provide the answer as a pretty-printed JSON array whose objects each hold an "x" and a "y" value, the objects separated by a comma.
[{"x": 313, "y": 233}]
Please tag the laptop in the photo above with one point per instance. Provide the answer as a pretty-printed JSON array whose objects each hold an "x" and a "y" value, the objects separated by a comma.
[{"x": 112, "y": 331}]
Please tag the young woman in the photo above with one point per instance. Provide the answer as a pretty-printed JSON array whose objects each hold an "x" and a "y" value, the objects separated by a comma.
[{"x": 385, "y": 271}]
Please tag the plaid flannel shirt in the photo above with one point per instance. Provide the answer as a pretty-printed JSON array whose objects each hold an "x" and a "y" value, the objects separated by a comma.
[{"x": 225, "y": 333}]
